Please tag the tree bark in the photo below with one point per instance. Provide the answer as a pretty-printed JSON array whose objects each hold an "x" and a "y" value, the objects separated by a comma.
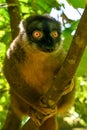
[{"x": 15, "y": 18}]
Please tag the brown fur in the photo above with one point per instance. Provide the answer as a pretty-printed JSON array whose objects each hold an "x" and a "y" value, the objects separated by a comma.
[{"x": 30, "y": 73}]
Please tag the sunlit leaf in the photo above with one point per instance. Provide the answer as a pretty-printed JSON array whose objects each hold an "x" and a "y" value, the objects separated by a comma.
[
  {"x": 77, "y": 3},
  {"x": 82, "y": 69}
]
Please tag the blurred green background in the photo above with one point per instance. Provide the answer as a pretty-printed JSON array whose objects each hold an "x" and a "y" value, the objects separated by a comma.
[{"x": 69, "y": 13}]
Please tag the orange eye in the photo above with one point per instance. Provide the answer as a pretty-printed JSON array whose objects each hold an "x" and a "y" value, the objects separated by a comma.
[
  {"x": 37, "y": 34},
  {"x": 54, "y": 34}
]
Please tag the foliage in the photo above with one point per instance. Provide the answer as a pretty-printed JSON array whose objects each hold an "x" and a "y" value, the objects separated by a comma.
[
  {"x": 4, "y": 96},
  {"x": 30, "y": 7},
  {"x": 77, "y": 4}
]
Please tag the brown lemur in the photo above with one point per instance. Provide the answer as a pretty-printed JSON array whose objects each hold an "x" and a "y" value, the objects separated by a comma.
[{"x": 31, "y": 64}]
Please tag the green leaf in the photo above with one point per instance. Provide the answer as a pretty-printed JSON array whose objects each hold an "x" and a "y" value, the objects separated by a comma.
[
  {"x": 67, "y": 38},
  {"x": 67, "y": 34},
  {"x": 82, "y": 69},
  {"x": 77, "y": 3}
]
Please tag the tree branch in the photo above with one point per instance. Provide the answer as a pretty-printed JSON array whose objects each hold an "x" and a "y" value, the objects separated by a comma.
[
  {"x": 15, "y": 18},
  {"x": 70, "y": 64}
]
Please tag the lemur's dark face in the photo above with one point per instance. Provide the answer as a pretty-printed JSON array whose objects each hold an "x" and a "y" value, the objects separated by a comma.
[{"x": 43, "y": 32}]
